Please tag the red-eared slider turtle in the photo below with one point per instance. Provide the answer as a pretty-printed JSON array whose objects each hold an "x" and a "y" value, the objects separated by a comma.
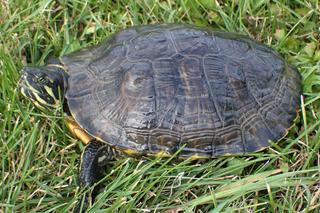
[{"x": 157, "y": 89}]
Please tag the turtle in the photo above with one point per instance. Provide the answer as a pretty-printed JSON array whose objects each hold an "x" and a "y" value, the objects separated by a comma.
[{"x": 156, "y": 90}]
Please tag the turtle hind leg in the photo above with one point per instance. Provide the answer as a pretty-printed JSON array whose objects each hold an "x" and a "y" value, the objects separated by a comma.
[{"x": 93, "y": 163}]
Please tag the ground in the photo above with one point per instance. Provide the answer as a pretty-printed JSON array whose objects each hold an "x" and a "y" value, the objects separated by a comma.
[{"x": 38, "y": 160}]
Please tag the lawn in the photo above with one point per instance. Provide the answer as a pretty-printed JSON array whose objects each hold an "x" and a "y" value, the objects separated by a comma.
[{"x": 39, "y": 157}]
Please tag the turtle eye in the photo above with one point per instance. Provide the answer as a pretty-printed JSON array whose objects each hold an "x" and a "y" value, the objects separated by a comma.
[{"x": 42, "y": 79}]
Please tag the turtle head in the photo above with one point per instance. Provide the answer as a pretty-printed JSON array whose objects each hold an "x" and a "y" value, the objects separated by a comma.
[{"x": 45, "y": 85}]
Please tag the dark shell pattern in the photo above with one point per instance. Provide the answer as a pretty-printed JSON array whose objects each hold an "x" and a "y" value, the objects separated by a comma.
[{"x": 160, "y": 88}]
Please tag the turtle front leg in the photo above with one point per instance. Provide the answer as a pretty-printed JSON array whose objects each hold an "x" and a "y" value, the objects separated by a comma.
[{"x": 93, "y": 163}]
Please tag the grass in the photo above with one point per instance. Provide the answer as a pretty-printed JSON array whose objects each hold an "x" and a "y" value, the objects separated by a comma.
[{"x": 38, "y": 160}]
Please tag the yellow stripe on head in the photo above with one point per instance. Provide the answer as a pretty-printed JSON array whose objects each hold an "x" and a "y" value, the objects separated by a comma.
[
  {"x": 39, "y": 106},
  {"x": 23, "y": 91},
  {"x": 58, "y": 66},
  {"x": 50, "y": 92},
  {"x": 30, "y": 87}
]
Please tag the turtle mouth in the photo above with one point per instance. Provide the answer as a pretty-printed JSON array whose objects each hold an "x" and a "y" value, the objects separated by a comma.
[
  {"x": 25, "y": 78},
  {"x": 22, "y": 85},
  {"x": 25, "y": 88},
  {"x": 22, "y": 80}
]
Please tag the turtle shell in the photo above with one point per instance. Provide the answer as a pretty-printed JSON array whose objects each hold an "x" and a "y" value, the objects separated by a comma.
[{"x": 161, "y": 88}]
